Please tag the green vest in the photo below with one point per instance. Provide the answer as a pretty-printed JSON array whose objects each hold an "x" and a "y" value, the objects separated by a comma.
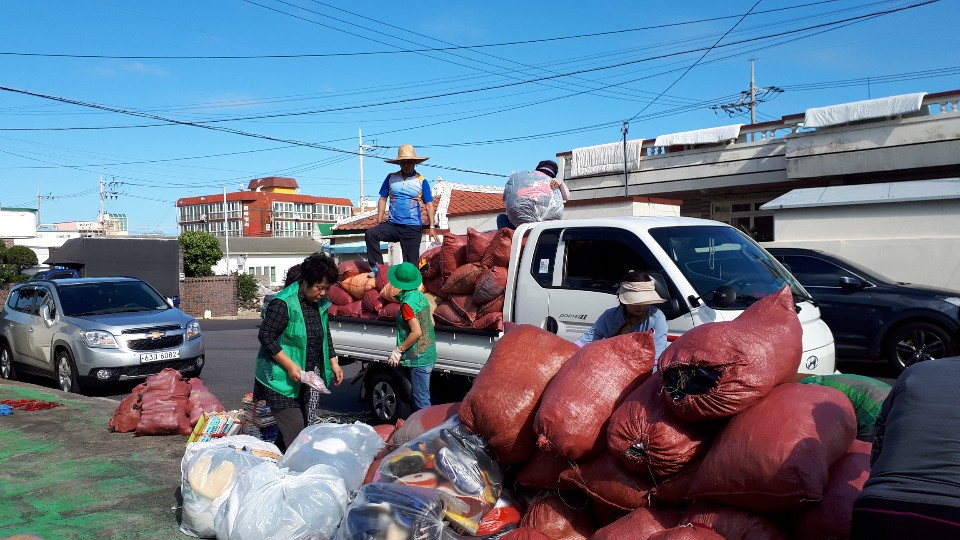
[
  {"x": 293, "y": 341},
  {"x": 424, "y": 351}
]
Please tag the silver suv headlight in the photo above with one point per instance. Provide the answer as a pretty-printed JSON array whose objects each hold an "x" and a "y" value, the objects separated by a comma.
[
  {"x": 98, "y": 338},
  {"x": 193, "y": 330}
]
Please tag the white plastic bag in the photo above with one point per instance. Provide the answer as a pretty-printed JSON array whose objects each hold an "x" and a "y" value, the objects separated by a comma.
[
  {"x": 252, "y": 482},
  {"x": 348, "y": 448},
  {"x": 296, "y": 506},
  {"x": 315, "y": 381},
  {"x": 209, "y": 473},
  {"x": 530, "y": 199},
  {"x": 395, "y": 512}
]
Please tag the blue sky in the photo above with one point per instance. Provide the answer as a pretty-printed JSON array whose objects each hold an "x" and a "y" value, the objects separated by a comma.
[{"x": 497, "y": 108}]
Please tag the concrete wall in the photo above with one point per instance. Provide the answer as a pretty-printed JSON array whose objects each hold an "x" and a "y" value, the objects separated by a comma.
[
  {"x": 217, "y": 294},
  {"x": 480, "y": 222},
  {"x": 915, "y": 242},
  {"x": 281, "y": 263}
]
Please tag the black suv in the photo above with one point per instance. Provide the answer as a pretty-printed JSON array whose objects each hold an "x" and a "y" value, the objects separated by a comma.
[{"x": 873, "y": 317}]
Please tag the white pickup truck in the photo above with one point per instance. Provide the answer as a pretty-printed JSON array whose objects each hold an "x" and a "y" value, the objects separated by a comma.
[{"x": 568, "y": 274}]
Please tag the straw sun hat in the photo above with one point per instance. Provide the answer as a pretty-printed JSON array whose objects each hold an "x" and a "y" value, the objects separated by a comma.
[{"x": 407, "y": 153}]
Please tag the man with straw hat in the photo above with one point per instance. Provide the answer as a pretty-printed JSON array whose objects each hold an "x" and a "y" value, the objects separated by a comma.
[
  {"x": 634, "y": 314},
  {"x": 405, "y": 190},
  {"x": 416, "y": 344}
]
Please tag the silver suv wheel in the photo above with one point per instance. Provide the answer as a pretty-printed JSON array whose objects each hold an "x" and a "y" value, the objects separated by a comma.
[
  {"x": 6, "y": 363},
  {"x": 65, "y": 372}
]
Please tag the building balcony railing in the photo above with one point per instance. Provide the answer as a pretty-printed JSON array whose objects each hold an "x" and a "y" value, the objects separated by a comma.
[{"x": 306, "y": 216}]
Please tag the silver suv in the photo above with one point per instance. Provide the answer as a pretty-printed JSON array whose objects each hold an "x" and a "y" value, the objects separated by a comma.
[{"x": 93, "y": 331}]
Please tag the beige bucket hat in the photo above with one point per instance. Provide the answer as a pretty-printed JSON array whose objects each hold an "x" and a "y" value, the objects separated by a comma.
[{"x": 407, "y": 153}]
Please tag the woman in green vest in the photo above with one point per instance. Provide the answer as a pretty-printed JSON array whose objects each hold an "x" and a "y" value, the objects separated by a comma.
[
  {"x": 295, "y": 337},
  {"x": 416, "y": 344}
]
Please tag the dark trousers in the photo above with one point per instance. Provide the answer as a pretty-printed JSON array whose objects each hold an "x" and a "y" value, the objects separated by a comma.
[
  {"x": 878, "y": 519},
  {"x": 290, "y": 422},
  {"x": 409, "y": 237},
  {"x": 503, "y": 222}
]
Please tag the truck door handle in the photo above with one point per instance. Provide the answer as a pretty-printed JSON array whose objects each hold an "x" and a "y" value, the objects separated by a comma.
[
  {"x": 550, "y": 325},
  {"x": 30, "y": 329}
]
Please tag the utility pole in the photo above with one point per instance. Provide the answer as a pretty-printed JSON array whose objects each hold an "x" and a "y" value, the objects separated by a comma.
[
  {"x": 626, "y": 182},
  {"x": 750, "y": 98},
  {"x": 226, "y": 229},
  {"x": 753, "y": 92},
  {"x": 360, "y": 204}
]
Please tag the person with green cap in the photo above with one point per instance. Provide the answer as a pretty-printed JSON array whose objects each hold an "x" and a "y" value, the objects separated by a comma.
[{"x": 416, "y": 343}]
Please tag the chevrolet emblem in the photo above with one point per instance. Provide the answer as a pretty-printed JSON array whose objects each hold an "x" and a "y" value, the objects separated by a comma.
[{"x": 156, "y": 334}]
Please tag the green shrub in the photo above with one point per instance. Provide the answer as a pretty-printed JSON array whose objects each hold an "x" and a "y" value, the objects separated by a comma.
[{"x": 247, "y": 288}]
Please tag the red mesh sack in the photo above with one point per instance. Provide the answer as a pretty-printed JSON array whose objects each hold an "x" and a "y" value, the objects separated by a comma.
[
  {"x": 646, "y": 435},
  {"x": 607, "y": 481},
  {"x": 490, "y": 285},
  {"x": 434, "y": 286},
  {"x": 447, "y": 315},
  {"x": 365, "y": 314},
  {"x": 577, "y": 404},
  {"x": 641, "y": 523},
  {"x": 385, "y": 431},
  {"x": 358, "y": 285},
  {"x": 493, "y": 306},
  {"x": 719, "y": 369},
  {"x": 353, "y": 309},
  {"x": 543, "y": 471},
  {"x": 389, "y": 312},
  {"x": 338, "y": 295},
  {"x": 372, "y": 301},
  {"x": 348, "y": 269},
  {"x": 453, "y": 253},
  {"x": 733, "y": 523},
  {"x": 831, "y": 518},
  {"x": 463, "y": 279},
  {"x": 490, "y": 321},
  {"x": 498, "y": 252},
  {"x": 551, "y": 516},
  {"x": 692, "y": 531},
  {"x": 777, "y": 454},
  {"x": 477, "y": 243},
  {"x": 525, "y": 533},
  {"x": 423, "y": 421},
  {"x": 127, "y": 414},
  {"x": 201, "y": 400},
  {"x": 383, "y": 276},
  {"x": 165, "y": 405},
  {"x": 464, "y": 305},
  {"x": 503, "y": 400},
  {"x": 430, "y": 262}
]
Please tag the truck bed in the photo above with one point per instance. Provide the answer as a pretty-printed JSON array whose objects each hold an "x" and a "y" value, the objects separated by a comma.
[{"x": 461, "y": 351}]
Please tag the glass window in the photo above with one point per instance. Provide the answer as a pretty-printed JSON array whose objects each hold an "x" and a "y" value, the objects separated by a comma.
[
  {"x": 545, "y": 256},
  {"x": 598, "y": 258},
  {"x": 273, "y": 274},
  {"x": 13, "y": 299},
  {"x": 109, "y": 297},
  {"x": 25, "y": 300},
  {"x": 814, "y": 272}
]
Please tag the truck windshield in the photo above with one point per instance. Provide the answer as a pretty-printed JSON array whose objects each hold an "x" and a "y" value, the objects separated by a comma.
[
  {"x": 715, "y": 256},
  {"x": 109, "y": 297}
]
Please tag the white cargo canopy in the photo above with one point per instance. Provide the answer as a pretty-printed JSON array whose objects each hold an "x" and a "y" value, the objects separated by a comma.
[
  {"x": 605, "y": 158},
  {"x": 700, "y": 136},
  {"x": 835, "y": 115}
]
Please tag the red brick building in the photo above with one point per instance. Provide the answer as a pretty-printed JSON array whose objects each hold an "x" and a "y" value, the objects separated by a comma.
[{"x": 270, "y": 207}]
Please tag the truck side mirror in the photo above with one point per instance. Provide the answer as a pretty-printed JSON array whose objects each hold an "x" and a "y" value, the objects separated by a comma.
[{"x": 670, "y": 308}]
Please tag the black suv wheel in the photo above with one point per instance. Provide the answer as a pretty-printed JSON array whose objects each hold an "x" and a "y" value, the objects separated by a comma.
[{"x": 916, "y": 342}]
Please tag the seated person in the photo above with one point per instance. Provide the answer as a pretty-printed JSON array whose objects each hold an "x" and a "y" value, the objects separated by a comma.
[{"x": 634, "y": 314}]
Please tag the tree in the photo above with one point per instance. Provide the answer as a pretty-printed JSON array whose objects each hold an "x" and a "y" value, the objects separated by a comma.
[
  {"x": 201, "y": 251},
  {"x": 21, "y": 257},
  {"x": 247, "y": 288}
]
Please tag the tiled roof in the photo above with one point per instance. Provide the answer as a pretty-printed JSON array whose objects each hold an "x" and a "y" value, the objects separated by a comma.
[
  {"x": 281, "y": 246},
  {"x": 472, "y": 202}
]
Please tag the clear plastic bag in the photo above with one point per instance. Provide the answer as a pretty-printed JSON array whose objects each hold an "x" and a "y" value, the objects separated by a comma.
[
  {"x": 315, "y": 381},
  {"x": 295, "y": 506},
  {"x": 210, "y": 471},
  {"x": 530, "y": 199},
  {"x": 454, "y": 462},
  {"x": 393, "y": 512},
  {"x": 348, "y": 448},
  {"x": 252, "y": 482}
]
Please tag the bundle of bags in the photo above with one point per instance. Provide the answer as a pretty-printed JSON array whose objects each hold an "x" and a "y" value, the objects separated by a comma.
[
  {"x": 464, "y": 280},
  {"x": 165, "y": 404}
]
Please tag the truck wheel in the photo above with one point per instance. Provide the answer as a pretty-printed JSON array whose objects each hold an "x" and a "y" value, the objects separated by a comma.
[
  {"x": 916, "y": 342},
  {"x": 6, "y": 363},
  {"x": 388, "y": 401},
  {"x": 67, "y": 373}
]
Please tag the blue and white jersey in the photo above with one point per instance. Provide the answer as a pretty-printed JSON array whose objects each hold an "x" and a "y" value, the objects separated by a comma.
[{"x": 405, "y": 196}]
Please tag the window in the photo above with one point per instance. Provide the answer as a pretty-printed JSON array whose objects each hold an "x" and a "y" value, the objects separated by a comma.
[
  {"x": 25, "y": 300},
  {"x": 598, "y": 258},
  {"x": 746, "y": 216},
  {"x": 813, "y": 272},
  {"x": 250, "y": 271},
  {"x": 545, "y": 256},
  {"x": 273, "y": 274},
  {"x": 13, "y": 299}
]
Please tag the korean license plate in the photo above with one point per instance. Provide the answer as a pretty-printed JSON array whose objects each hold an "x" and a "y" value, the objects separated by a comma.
[{"x": 157, "y": 356}]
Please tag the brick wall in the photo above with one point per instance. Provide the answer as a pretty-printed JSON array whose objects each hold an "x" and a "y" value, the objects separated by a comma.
[
  {"x": 217, "y": 293},
  {"x": 4, "y": 292}
]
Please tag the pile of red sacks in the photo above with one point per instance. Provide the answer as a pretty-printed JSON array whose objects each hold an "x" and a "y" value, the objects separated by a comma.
[
  {"x": 719, "y": 442},
  {"x": 165, "y": 404},
  {"x": 464, "y": 279}
]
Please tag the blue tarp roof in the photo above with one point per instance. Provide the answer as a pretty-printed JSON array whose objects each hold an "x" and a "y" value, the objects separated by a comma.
[{"x": 350, "y": 247}]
